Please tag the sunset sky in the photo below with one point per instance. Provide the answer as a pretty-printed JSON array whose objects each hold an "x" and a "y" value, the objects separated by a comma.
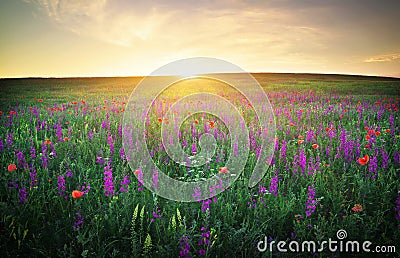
[{"x": 61, "y": 38}]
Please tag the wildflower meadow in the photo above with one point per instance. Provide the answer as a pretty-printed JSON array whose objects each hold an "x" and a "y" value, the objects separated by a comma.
[{"x": 68, "y": 190}]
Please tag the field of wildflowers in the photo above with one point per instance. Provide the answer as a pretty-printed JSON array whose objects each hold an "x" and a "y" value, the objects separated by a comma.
[{"x": 67, "y": 188}]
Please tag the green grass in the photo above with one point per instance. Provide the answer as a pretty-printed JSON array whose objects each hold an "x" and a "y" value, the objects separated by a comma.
[{"x": 124, "y": 224}]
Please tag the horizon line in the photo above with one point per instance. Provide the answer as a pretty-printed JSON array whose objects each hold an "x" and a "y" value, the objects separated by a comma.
[{"x": 252, "y": 73}]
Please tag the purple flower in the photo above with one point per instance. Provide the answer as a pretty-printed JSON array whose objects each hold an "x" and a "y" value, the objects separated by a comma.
[
  {"x": 373, "y": 167},
  {"x": 108, "y": 181},
  {"x": 396, "y": 157},
  {"x": 23, "y": 196},
  {"x": 124, "y": 184},
  {"x": 106, "y": 123},
  {"x": 53, "y": 152},
  {"x": 32, "y": 175},
  {"x": 45, "y": 160},
  {"x": 139, "y": 174},
  {"x": 85, "y": 188},
  {"x": 262, "y": 189},
  {"x": 194, "y": 148},
  {"x": 61, "y": 185},
  {"x": 283, "y": 151},
  {"x": 36, "y": 112},
  {"x": 235, "y": 149},
  {"x": 9, "y": 140},
  {"x": 21, "y": 160},
  {"x": 155, "y": 179},
  {"x": 273, "y": 187},
  {"x": 204, "y": 241},
  {"x": 185, "y": 247},
  {"x": 302, "y": 161},
  {"x": 120, "y": 131},
  {"x": 252, "y": 204},
  {"x": 33, "y": 152},
  {"x": 59, "y": 132},
  {"x": 111, "y": 144},
  {"x": 311, "y": 203},
  {"x": 13, "y": 184},
  {"x": 90, "y": 135},
  {"x": 310, "y": 136},
  {"x": 156, "y": 215},
  {"x": 385, "y": 159},
  {"x": 68, "y": 173},
  {"x": 122, "y": 153},
  {"x": 205, "y": 206},
  {"x": 99, "y": 160},
  {"x": 78, "y": 221},
  {"x": 197, "y": 193}
]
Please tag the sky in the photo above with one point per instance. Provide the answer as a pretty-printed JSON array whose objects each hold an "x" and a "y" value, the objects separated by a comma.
[{"x": 79, "y": 38}]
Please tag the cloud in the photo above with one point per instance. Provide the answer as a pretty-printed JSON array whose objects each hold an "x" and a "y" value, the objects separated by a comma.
[
  {"x": 104, "y": 20},
  {"x": 211, "y": 24},
  {"x": 383, "y": 58}
]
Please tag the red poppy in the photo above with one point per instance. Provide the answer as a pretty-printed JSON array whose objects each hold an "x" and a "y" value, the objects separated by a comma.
[
  {"x": 66, "y": 139},
  {"x": 159, "y": 119},
  {"x": 366, "y": 128},
  {"x": 196, "y": 121},
  {"x": 315, "y": 146},
  {"x": 367, "y": 146},
  {"x": 12, "y": 112},
  {"x": 211, "y": 124},
  {"x": 12, "y": 167},
  {"x": 377, "y": 133},
  {"x": 76, "y": 194},
  {"x": 364, "y": 160},
  {"x": 300, "y": 137},
  {"x": 224, "y": 170},
  {"x": 371, "y": 132},
  {"x": 357, "y": 208},
  {"x": 136, "y": 172},
  {"x": 367, "y": 137},
  {"x": 328, "y": 129},
  {"x": 300, "y": 141},
  {"x": 47, "y": 141},
  {"x": 387, "y": 130},
  {"x": 74, "y": 102},
  {"x": 40, "y": 100}
]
